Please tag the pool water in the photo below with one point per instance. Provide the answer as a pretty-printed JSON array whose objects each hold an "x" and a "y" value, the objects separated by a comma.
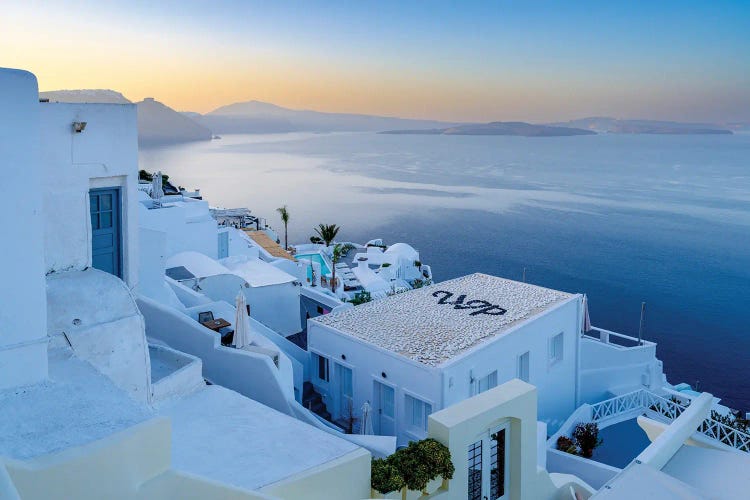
[
  {"x": 622, "y": 442},
  {"x": 316, "y": 257}
]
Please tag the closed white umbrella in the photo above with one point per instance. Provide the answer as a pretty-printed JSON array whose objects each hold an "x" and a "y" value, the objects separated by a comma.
[
  {"x": 242, "y": 336},
  {"x": 366, "y": 427},
  {"x": 156, "y": 188},
  {"x": 586, "y": 324}
]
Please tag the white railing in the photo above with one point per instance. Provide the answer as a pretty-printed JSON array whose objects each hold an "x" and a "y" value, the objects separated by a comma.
[
  {"x": 725, "y": 434},
  {"x": 615, "y": 339},
  {"x": 617, "y": 406},
  {"x": 656, "y": 406}
]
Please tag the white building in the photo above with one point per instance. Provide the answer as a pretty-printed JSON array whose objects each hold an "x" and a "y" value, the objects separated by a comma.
[
  {"x": 416, "y": 352},
  {"x": 91, "y": 408}
]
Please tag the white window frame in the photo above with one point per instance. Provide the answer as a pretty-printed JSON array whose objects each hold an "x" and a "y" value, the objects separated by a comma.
[
  {"x": 476, "y": 384},
  {"x": 409, "y": 401},
  {"x": 327, "y": 378},
  {"x": 519, "y": 372},
  {"x": 556, "y": 352}
]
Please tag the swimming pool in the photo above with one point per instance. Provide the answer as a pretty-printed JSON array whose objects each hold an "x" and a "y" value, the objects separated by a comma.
[{"x": 316, "y": 257}]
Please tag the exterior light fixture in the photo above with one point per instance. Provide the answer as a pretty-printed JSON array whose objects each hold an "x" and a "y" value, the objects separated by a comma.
[
  {"x": 382, "y": 374},
  {"x": 79, "y": 127},
  {"x": 343, "y": 356}
]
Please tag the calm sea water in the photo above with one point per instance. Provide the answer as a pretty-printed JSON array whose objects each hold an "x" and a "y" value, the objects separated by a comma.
[{"x": 625, "y": 219}]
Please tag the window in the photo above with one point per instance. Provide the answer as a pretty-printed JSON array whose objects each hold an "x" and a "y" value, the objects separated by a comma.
[
  {"x": 484, "y": 384},
  {"x": 523, "y": 366},
  {"x": 556, "y": 349},
  {"x": 322, "y": 363},
  {"x": 475, "y": 471},
  {"x": 417, "y": 412}
]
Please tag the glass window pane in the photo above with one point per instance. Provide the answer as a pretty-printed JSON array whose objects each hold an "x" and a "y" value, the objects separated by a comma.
[
  {"x": 94, "y": 199},
  {"x": 95, "y": 221},
  {"x": 497, "y": 463},
  {"x": 105, "y": 219},
  {"x": 475, "y": 471},
  {"x": 106, "y": 202}
]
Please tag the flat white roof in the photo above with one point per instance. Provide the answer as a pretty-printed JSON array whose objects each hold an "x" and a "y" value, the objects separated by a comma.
[
  {"x": 434, "y": 324},
  {"x": 257, "y": 272},
  {"x": 224, "y": 436},
  {"x": 76, "y": 406}
]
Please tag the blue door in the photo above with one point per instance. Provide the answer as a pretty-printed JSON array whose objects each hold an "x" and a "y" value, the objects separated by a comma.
[
  {"x": 106, "y": 235},
  {"x": 223, "y": 245}
]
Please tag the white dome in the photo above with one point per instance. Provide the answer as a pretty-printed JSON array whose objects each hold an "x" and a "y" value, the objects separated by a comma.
[{"x": 403, "y": 250}]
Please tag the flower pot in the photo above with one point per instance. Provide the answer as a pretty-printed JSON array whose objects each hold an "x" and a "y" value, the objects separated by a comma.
[
  {"x": 393, "y": 494},
  {"x": 432, "y": 486}
]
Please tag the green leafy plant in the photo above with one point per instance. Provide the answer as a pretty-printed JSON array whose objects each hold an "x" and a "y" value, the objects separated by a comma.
[
  {"x": 284, "y": 214},
  {"x": 586, "y": 437},
  {"x": 327, "y": 232},
  {"x": 361, "y": 298},
  {"x": 335, "y": 258},
  {"x": 316, "y": 240},
  {"x": 386, "y": 264},
  {"x": 148, "y": 176},
  {"x": 417, "y": 283},
  {"x": 384, "y": 476},
  {"x": 412, "y": 467}
]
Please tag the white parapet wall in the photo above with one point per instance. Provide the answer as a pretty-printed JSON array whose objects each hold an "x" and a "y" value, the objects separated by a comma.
[{"x": 132, "y": 464}]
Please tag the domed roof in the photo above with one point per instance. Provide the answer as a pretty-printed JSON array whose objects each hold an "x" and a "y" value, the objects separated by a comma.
[{"x": 403, "y": 250}]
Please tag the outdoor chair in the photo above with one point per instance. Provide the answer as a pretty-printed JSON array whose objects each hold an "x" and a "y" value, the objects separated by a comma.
[{"x": 205, "y": 316}]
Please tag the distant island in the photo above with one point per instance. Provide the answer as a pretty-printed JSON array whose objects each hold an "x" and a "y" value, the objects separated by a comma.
[
  {"x": 607, "y": 125},
  {"x": 500, "y": 128},
  {"x": 159, "y": 124}
]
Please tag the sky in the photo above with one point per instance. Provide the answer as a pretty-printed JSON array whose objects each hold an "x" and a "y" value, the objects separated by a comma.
[{"x": 456, "y": 61}]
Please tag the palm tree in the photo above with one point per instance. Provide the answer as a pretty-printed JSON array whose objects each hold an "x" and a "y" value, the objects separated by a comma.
[
  {"x": 285, "y": 219},
  {"x": 335, "y": 258},
  {"x": 327, "y": 232}
]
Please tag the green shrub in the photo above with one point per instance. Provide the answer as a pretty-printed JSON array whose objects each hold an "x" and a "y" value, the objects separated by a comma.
[
  {"x": 413, "y": 467},
  {"x": 361, "y": 298},
  {"x": 386, "y": 264},
  {"x": 586, "y": 437},
  {"x": 384, "y": 477}
]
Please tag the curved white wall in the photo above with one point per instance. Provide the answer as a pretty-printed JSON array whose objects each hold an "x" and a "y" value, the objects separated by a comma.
[{"x": 23, "y": 342}]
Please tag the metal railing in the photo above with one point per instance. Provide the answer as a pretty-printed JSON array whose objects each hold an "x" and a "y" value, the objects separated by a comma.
[
  {"x": 615, "y": 339},
  {"x": 668, "y": 409}
]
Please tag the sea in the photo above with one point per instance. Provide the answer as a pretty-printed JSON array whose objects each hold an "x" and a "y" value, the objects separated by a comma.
[{"x": 626, "y": 219}]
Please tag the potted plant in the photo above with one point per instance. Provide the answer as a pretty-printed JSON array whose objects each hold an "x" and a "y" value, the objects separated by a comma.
[{"x": 586, "y": 437}]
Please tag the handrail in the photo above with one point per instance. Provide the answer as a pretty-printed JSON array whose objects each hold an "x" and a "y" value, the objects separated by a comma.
[{"x": 643, "y": 399}]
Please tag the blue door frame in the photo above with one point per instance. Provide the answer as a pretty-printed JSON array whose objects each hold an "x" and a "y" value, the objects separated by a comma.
[{"x": 106, "y": 230}]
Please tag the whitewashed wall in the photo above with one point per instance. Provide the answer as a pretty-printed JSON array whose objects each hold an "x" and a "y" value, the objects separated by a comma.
[
  {"x": 444, "y": 386},
  {"x": 556, "y": 383},
  {"x": 105, "y": 154},
  {"x": 368, "y": 363},
  {"x": 188, "y": 226},
  {"x": 606, "y": 366},
  {"x": 276, "y": 306},
  {"x": 23, "y": 338}
]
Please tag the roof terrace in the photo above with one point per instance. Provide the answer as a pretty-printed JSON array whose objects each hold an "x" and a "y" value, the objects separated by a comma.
[{"x": 434, "y": 324}]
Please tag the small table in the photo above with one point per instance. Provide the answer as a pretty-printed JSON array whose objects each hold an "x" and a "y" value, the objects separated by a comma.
[{"x": 216, "y": 324}]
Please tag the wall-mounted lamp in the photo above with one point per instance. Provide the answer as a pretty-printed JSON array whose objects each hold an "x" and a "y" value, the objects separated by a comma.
[
  {"x": 79, "y": 127},
  {"x": 382, "y": 374}
]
